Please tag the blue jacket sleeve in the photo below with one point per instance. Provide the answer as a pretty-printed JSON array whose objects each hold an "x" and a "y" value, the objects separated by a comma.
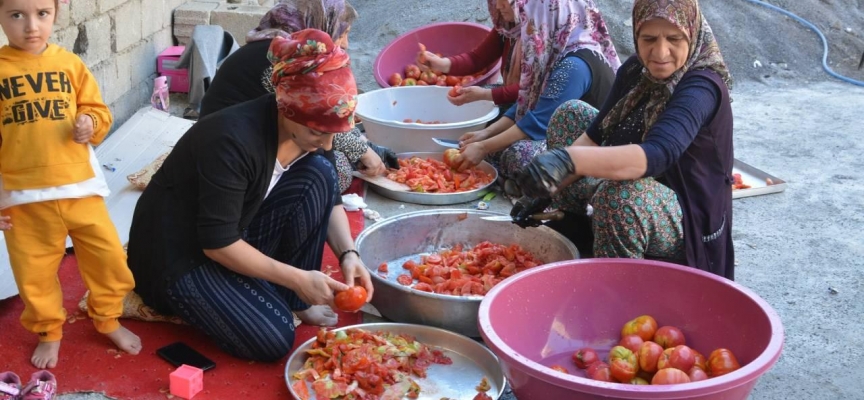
[
  {"x": 570, "y": 80},
  {"x": 692, "y": 106}
]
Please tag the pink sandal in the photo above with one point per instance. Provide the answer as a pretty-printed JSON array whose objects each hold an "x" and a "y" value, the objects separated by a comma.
[
  {"x": 42, "y": 386},
  {"x": 10, "y": 386}
]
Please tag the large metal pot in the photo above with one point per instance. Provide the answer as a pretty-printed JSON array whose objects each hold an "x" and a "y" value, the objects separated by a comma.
[{"x": 408, "y": 236}]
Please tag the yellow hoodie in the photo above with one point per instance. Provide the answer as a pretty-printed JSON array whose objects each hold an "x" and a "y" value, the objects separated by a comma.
[{"x": 40, "y": 98}]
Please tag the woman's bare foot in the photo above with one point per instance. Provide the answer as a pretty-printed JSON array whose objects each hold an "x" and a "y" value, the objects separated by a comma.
[
  {"x": 318, "y": 316},
  {"x": 46, "y": 355},
  {"x": 125, "y": 340}
]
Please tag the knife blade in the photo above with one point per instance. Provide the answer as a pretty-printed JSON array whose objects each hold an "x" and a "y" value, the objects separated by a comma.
[
  {"x": 453, "y": 144},
  {"x": 551, "y": 216}
]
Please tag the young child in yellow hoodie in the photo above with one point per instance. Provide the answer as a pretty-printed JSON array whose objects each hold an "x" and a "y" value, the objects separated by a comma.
[{"x": 51, "y": 185}]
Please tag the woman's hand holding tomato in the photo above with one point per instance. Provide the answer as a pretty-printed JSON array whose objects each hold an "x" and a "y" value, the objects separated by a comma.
[
  {"x": 350, "y": 300},
  {"x": 470, "y": 156},
  {"x": 470, "y": 94},
  {"x": 354, "y": 269},
  {"x": 433, "y": 62}
]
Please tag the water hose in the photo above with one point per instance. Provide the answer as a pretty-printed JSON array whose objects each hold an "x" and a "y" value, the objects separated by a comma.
[{"x": 821, "y": 36}]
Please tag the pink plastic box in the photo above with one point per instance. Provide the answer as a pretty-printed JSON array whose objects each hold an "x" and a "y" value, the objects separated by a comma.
[
  {"x": 166, "y": 64},
  {"x": 186, "y": 381}
]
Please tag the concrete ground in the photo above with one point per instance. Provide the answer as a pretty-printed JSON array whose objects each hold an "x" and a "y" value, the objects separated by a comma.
[{"x": 800, "y": 250}]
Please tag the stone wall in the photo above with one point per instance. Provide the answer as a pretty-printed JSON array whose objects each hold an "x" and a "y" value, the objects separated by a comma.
[{"x": 120, "y": 39}]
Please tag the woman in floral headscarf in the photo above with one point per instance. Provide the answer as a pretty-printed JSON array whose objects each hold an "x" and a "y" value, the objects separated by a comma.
[
  {"x": 229, "y": 233},
  {"x": 565, "y": 53},
  {"x": 245, "y": 75},
  {"x": 656, "y": 164}
]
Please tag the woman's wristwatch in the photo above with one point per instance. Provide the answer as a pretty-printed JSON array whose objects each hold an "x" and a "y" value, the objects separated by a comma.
[{"x": 345, "y": 253}]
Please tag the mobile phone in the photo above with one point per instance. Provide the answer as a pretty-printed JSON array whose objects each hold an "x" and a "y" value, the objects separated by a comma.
[{"x": 179, "y": 353}]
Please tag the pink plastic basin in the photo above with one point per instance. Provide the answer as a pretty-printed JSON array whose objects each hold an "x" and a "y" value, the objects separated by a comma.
[
  {"x": 539, "y": 317},
  {"x": 447, "y": 38}
]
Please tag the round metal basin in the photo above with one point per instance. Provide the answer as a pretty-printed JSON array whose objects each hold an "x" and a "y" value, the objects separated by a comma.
[{"x": 408, "y": 236}]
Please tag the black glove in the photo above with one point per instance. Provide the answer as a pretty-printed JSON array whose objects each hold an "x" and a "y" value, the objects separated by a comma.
[
  {"x": 388, "y": 157},
  {"x": 525, "y": 207},
  {"x": 542, "y": 176}
]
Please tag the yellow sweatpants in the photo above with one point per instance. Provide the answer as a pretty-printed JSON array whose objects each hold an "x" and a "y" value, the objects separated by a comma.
[{"x": 36, "y": 244}]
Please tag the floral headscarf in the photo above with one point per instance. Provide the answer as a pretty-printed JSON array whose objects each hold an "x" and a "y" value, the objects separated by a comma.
[
  {"x": 509, "y": 30},
  {"x": 313, "y": 81},
  {"x": 704, "y": 54},
  {"x": 550, "y": 29},
  {"x": 332, "y": 16}
]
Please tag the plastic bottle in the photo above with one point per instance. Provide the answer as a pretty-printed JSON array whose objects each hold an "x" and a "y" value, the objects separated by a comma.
[{"x": 159, "y": 100}]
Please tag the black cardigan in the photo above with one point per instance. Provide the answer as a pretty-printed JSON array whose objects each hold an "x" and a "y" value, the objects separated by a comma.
[{"x": 204, "y": 195}]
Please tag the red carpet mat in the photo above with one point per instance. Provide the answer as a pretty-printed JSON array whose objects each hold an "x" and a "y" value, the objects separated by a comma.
[{"x": 90, "y": 362}]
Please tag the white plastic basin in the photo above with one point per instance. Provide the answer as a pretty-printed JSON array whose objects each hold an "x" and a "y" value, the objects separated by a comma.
[{"x": 383, "y": 112}]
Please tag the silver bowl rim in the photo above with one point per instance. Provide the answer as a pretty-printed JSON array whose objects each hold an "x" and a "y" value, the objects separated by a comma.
[{"x": 412, "y": 214}]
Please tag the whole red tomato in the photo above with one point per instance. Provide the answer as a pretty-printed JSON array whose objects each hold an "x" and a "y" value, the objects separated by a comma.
[
  {"x": 699, "y": 361},
  {"x": 395, "y": 79},
  {"x": 450, "y": 157},
  {"x": 421, "y": 82},
  {"x": 649, "y": 354},
  {"x": 669, "y": 336},
  {"x": 682, "y": 358},
  {"x": 721, "y": 362},
  {"x": 453, "y": 80},
  {"x": 696, "y": 374},
  {"x": 623, "y": 364},
  {"x": 412, "y": 71},
  {"x": 352, "y": 299},
  {"x": 663, "y": 361},
  {"x": 639, "y": 381},
  {"x": 631, "y": 342},
  {"x": 441, "y": 81},
  {"x": 584, "y": 357},
  {"x": 644, "y": 326},
  {"x": 428, "y": 77},
  {"x": 599, "y": 371},
  {"x": 669, "y": 376},
  {"x": 409, "y": 82}
]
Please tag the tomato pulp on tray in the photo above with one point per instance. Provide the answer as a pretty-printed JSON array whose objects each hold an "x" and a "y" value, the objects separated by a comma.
[
  {"x": 360, "y": 363},
  {"x": 433, "y": 176}
]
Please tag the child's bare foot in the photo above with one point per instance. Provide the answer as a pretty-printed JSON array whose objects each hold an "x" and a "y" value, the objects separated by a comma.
[
  {"x": 46, "y": 355},
  {"x": 318, "y": 316},
  {"x": 125, "y": 340}
]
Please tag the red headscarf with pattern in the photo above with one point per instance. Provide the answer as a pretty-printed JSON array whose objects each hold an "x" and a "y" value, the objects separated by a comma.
[{"x": 313, "y": 81}]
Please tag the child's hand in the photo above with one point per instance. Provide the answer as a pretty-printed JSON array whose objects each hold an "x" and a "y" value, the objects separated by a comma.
[
  {"x": 5, "y": 225},
  {"x": 83, "y": 130}
]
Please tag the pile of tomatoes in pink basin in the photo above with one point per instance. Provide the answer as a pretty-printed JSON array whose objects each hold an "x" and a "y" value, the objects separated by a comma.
[
  {"x": 444, "y": 38},
  {"x": 576, "y": 329}
]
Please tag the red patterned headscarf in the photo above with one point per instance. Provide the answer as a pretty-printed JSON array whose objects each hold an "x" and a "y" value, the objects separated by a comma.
[{"x": 313, "y": 81}]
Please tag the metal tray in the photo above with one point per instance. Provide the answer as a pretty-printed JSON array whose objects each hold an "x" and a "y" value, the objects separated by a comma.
[
  {"x": 757, "y": 179},
  {"x": 437, "y": 199},
  {"x": 471, "y": 362}
]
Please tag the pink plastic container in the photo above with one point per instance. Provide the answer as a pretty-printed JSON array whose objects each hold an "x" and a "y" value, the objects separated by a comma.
[
  {"x": 539, "y": 317},
  {"x": 447, "y": 38},
  {"x": 166, "y": 64}
]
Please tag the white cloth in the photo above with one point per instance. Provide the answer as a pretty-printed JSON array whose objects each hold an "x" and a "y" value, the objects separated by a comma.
[{"x": 95, "y": 186}]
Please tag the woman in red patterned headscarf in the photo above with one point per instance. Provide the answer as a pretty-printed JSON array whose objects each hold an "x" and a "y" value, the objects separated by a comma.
[{"x": 229, "y": 234}]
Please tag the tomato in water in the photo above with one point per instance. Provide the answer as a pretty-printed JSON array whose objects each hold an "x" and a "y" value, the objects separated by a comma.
[
  {"x": 352, "y": 299},
  {"x": 584, "y": 357},
  {"x": 560, "y": 369}
]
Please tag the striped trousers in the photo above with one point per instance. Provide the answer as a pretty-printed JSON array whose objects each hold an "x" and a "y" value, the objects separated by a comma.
[{"x": 251, "y": 318}]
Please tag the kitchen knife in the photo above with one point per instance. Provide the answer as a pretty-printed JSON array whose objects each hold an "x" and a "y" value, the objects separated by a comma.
[
  {"x": 453, "y": 144},
  {"x": 551, "y": 216}
]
